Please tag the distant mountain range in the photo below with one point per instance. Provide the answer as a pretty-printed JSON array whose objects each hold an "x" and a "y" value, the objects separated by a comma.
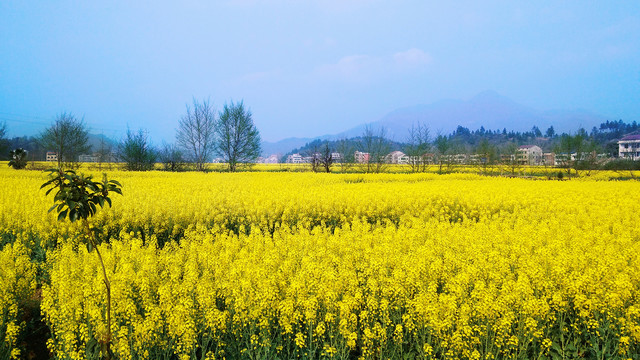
[
  {"x": 96, "y": 142},
  {"x": 283, "y": 146},
  {"x": 488, "y": 109}
]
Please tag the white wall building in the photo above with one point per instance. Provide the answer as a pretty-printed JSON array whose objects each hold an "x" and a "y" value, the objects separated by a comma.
[
  {"x": 295, "y": 159},
  {"x": 271, "y": 159},
  {"x": 88, "y": 158},
  {"x": 529, "y": 155},
  {"x": 397, "y": 157},
  {"x": 52, "y": 156},
  {"x": 629, "y": 147}
]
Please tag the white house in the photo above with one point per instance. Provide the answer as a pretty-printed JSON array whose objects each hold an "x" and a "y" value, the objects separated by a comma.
[
  {"x": 397, "y": 157},
  {"x": 52, "y": 156},
  {"x": 629, "y": 147},
  {"x": 271, "y": 159},
  {"x": 88, "y": 158},
  {"x": 295, "y": 159},
  {"x": 529, "y": 155}
]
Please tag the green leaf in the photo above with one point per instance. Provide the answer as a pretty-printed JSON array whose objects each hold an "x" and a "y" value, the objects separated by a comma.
[
  {"x": 89, "y": 246},
  {"x": 101, "y": 201},
  {"x": 62, "y": 215},
  {"x": 108, "y": 201},
  {"x": 96, "y": 230},
  {"x": 115, "y": 182},
  {"x": 53, "y": 207}
]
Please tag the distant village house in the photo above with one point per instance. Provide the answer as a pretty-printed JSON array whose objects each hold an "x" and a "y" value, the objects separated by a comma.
[
  {"x": 629, "y": 147},
  {"x": 529, "y": 155},
  {"x": 295, "y": 159},
  {"x": 361, "y": 157},
  {"x": 88, "y": 158},
  {"x": 52, "y": 156},
  {"x": 397, "y": 157},
  {"x": 271, "y": 159}
]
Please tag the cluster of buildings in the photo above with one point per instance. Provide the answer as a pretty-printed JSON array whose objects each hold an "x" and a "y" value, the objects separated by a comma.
[
  {"x": 628, "y": 148},
  {"x": 271, "y": 159},
  {"x": 53, "y": 156},
  {"x": 525, "y": 155},
  {"x": 299, "y": 159}
]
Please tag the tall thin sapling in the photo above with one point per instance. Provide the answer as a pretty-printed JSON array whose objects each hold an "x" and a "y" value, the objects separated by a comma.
[{"x": 78, "y": 198}]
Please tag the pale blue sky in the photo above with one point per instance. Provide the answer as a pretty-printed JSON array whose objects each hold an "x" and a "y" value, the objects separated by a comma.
[{"x": 308, "y": 68}]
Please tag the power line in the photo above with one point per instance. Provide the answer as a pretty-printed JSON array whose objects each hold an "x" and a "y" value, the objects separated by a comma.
[
  {"x": 35, "y": 122},
  {"x": 23, "y": 121},
  {"x": 114, "y": 133},
  {"x": 26, "y": 116}
]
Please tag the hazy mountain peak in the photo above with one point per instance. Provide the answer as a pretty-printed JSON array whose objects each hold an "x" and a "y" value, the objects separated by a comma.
[
  {"x": 489, "y": 96},
  {"x": 488, "y": 109}
]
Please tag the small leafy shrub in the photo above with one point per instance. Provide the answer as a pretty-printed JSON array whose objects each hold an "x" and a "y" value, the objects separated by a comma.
[{"x": 18, "y": 158}]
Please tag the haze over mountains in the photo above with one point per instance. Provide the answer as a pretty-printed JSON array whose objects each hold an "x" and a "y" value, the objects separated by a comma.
[{"x": 488, "y": 109}]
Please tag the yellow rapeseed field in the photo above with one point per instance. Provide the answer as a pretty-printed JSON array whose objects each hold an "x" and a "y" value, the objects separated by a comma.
[{"x": 291, "y": 265}]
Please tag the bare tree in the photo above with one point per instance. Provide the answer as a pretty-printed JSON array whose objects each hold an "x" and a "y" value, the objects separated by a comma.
[
  {"x": 487, "y": 155},
  {"x": 314, "y": 156},
  {"x": 105, "y": 154},
  {"x": 417, "y": 147},
  {"x": 237, "y": 138},
  {"x": 444, "y": 154},
  {"x": 347, "y": 154},
  {"x": 3, "y": 141},
  {"x": 196, "y": 132},
  {"x": 68, "y": 137},
  {"x": 376, "y": 145},
  {"x": 573, "y": 150},
  {"x": 171, "y": 157},
  {"x": 366, "y": 143},
  {"x": 509, "y": 157},
  {"x": 326, "y": 158}
]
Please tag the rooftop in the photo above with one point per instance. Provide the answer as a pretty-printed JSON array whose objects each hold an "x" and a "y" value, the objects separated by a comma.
[{"x": 631, "y": 137}]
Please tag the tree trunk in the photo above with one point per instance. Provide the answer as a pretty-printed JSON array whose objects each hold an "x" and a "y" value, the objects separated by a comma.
[
  {"x": 106, "y": 345},
  {"x": 107, "y": 284}
]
